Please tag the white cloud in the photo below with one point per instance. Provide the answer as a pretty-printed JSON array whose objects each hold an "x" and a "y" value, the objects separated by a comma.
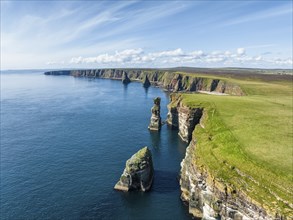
[
  {"x": 130, "y": 52},
  {"x": 258, "y": 58},
  {"x": 79, "y": 29},
  {"x": 168, "y": 53},
  {"x": 177, "y": 56},
  {"x": 240, "y": 51},
  {"x": 283, "y": 61},
  {"x": 197, "y": 53},
  {"x": 76, "y": 60}
]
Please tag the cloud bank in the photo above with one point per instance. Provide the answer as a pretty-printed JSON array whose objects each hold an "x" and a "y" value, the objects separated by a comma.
[
  {"x": 87, "y": 33},
  {"x": 177, "y": 57}
]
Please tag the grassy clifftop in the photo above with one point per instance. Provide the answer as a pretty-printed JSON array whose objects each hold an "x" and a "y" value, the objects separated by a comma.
[{"x": 247, "y": 141}]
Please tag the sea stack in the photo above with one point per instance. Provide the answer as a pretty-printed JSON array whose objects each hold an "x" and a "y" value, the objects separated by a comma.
[
  {"x": 146, "y": 82},
  {"x": 155, "y": 123},
  {"x": 138, "y": 173},
  {"x": 125, "y": 79}
]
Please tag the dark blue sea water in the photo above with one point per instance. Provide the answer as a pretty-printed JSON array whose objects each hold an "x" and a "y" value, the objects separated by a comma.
[{"x": 64, "y": 144}]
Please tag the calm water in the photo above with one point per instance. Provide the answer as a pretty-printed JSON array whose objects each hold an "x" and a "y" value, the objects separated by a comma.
[{"x": 64, "y": 144}]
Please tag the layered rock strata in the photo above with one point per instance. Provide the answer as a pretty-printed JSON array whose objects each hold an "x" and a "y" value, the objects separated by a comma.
[
  {"x": 206, "y": 196},
  {"x": 138, "y": 173},
  {"x": 155, "y": 123},
  {"x": 171, "y": 81},
  {"x": 182, "y": 117}
]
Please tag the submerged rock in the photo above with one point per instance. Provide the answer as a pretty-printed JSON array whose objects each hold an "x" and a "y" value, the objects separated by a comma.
[
  {"x": 156, "y": 123},
  {"x": 146, "y": 82},
  {"x": 138, "y": 173},
  {"x": 125, "y": 79}
]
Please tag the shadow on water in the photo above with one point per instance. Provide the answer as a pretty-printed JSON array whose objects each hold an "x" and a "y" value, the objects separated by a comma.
[
  {"x": 125, "y": 92},
  {"x": 125, "y": 87},
  {"x": 156, "y": 139},
  {"x": 174, "y": 138},
  {"x": 165, "y": 181},
  {"x": 146, "y": 89}
]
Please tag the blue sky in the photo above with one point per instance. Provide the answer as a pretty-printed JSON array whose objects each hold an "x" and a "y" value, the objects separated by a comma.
[{"x": 93, "y": 34}]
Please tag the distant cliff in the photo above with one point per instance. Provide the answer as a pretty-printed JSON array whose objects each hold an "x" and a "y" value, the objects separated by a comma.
[{"x": 171, "y": 81}]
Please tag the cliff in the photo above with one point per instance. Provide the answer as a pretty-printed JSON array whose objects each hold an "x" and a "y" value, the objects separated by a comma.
[
  {"x": 171, "y": 81},
  {"x": 182, "y": 117},
  {"x": 208, "y": 196},
  {"x": 138, "y": 173}
]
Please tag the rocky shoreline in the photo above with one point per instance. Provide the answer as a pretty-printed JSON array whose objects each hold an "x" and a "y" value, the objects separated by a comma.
[
  {"x": 168, "y": 80},
  {"x": 207, "y": 197}
]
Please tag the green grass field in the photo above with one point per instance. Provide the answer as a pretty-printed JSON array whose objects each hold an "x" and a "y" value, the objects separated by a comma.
[{"x": 248, "y": 140}]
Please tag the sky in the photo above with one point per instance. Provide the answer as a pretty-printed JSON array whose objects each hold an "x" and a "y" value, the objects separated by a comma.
[{"x": 101, "y": 34}]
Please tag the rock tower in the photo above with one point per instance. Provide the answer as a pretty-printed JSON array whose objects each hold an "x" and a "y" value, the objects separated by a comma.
[
  {"x": 138, "y": 173},
  {"x": 156, "y": 123}
]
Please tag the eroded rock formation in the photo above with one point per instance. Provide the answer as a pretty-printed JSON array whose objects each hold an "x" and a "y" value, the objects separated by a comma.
[
  {"x": 156, "y": 123},
  {"x": 209, "y": 198},
  {"x": 171, "y": 81},
  {"x": 183, "y": 117},
  {"x": 138, "y": 173},
  {"x": 206, "y": 196},
  {"x": 146, "y": 82},
  {"x": 125, "y": 79}
]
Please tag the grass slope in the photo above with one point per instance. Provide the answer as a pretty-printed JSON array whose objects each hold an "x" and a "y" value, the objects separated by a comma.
[{"x": 247, "y": 141}]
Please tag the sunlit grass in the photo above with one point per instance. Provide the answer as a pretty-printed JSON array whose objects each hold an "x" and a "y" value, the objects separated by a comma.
[{"x": 253, "y": 134}]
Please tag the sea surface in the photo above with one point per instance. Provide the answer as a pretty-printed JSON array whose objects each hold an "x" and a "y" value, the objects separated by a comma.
[{"x": 64, "y": 144}]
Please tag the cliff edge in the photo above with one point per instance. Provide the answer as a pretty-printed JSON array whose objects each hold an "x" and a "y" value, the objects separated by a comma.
[
  {"x": 221, "y": 190},
  {"x": 171, "y": 81}
]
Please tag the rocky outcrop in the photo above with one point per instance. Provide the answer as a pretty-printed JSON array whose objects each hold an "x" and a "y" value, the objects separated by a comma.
[
  {"x": 125, "y": 79},
  {"x": 209, "y": 198},
  {"x": 146, "y": 82},
  {"x": 172, "y": 116},
  {"x": 59, "y": 72},
  {"x": 169, "y": 80},
  {"x": 138, "y": 173},
  {"x": 183, "y": 117},
  {"x": 156, "y": 123},
  {"x": 187, "y": 119}
]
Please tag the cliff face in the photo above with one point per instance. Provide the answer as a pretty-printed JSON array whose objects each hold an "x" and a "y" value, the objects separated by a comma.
[
  {"x": 209, "y": 198},
  {"x": 138, "y": 173},
  {"x": 187, "y": 119},
  {"x": 206, "y": 196},
  {"x": 171, "y": 81},
  {"x": 182, "y": 117}
]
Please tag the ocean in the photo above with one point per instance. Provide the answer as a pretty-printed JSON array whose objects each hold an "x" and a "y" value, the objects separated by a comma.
[{"x": 64, "y": 144}]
